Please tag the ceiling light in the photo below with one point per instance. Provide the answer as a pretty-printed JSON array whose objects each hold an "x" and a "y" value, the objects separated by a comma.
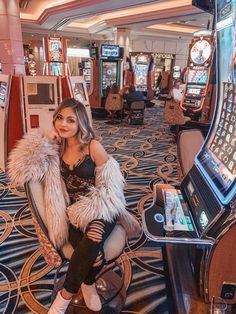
[{"x": 74, "y": 52}]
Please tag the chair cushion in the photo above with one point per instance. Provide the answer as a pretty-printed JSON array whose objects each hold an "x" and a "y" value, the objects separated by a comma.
[
  {"x": 189, "y": 144},
  {"x": 113, "y": 245},
  {"x": 67, "y": 250},
  {"x": 37, "y": 191},
  {"x": 114, "y": 102},
  {"x": 137, "y": 105},
  {"x": 173, "y": 114}
]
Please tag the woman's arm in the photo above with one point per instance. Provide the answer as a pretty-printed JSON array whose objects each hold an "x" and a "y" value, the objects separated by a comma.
[{"x": 98, "y": 153}]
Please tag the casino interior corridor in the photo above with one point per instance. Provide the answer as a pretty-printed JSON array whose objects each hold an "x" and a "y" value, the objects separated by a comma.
[{"x": 147, "y": 154}]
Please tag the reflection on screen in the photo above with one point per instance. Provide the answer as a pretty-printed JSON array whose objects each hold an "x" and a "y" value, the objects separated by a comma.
[
  {"x": 198, "y": 76},
  {"x": 3, "y": 92},
  {"x": 79, "y": 92},
  {"x": 40, "y": 93}
]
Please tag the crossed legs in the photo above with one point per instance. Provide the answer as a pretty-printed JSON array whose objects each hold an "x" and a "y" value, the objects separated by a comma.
[{"x": 86, "y": 262}]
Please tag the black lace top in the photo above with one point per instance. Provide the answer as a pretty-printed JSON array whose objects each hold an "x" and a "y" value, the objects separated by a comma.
[{"x": 79, "y": 179}]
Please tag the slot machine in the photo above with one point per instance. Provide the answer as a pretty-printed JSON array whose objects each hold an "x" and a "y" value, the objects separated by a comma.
[
  {"x": 87, "y": 70},
  {"x": 11, "y": 116},
  {"x": 128, "y": 72},
  {"x": 141, "y": 67},
  {"x": 198, "y": 75},
  {"x": 110, "y": 67},
  {"x": 78, "y": 90},
  {"x": 40, "y": 94},
  {"x": 202, "y": 210},
  {"x": 55, "y": 56}
]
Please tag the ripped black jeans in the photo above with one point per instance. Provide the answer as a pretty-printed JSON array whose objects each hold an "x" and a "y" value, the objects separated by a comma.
[{"x": 88, "y": 257}]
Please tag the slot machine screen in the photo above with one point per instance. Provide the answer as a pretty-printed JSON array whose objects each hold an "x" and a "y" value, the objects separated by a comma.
[
  {"x": 193, "y": 91},
  {"x": 87, "y": 71},
  {"x": 110, "y": 51},
  {"x": 176, "y": 75},
  {"x": 109, "y": 74},
  {"x": 3, "y": 92},
  {"x": 40, "y": 93},
  {"x": 217, "y": 159},
  {"x": 87, "y": 77},
  {"x": 87, "y": 64},
  {"x": 141, "y": 74},
  {"x": 55, "y": 52},
  {"x": 79, "y": 92},
  {"x": 56, "y": 68},
  {"x": 176, "y": 68},
  {"x": 197, "y": 76}
]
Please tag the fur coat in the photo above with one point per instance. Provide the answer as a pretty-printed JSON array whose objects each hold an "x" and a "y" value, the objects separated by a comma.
[{"x": 36, "y": 158}]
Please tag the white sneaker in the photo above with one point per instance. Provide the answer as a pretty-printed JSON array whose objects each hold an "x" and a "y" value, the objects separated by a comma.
[
  {"x": 91, "y": 297},
  {"x": 59, "y": 305}
]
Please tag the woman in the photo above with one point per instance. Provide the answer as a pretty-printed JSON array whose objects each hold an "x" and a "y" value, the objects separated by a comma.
[{"x": 93, "y": 184}]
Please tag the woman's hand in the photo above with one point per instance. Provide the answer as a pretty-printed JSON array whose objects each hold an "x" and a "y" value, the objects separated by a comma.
[{"x": 53, "y": 135}]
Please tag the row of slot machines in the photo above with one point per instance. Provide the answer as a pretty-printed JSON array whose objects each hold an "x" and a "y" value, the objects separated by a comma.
[
  {"x": 28, "y": 102},
  {"x": 108, "y": 69},
  {"x": 202, "y": 211}
]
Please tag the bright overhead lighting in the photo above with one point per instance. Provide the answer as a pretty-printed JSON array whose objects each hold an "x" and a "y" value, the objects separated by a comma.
[
  {"x": 78, "y": 52},
  {"x": 173, "y": 28},
  {"x": 163, "y": 6}
]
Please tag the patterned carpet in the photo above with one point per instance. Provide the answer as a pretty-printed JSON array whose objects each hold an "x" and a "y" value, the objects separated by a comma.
[{"x": 147, "y": 154}]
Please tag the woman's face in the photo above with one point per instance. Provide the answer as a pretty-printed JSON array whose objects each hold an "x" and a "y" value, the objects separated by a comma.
[{"x": 66, "y": 123}]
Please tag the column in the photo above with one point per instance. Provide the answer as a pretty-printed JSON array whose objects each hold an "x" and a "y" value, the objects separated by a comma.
[
  {"x": 11, "y": 43},
  {"x": 122, "y": 38}
]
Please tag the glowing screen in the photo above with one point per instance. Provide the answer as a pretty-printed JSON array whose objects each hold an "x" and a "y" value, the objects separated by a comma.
[
  {"x": 109, "y": 74},
  {"x": 55, "y": 49},
  {"x": 217, "y": 159},
  {"x": 112, "y": 51},
  {"x": 193, "y": 91},
  {"x": 3, "y": 92},
  {"x": 141, "y": 75},
  {"x": 79, "y": 92},
  {"x": 198, "y": 76},
  {"x": 56, "y": 68}
]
